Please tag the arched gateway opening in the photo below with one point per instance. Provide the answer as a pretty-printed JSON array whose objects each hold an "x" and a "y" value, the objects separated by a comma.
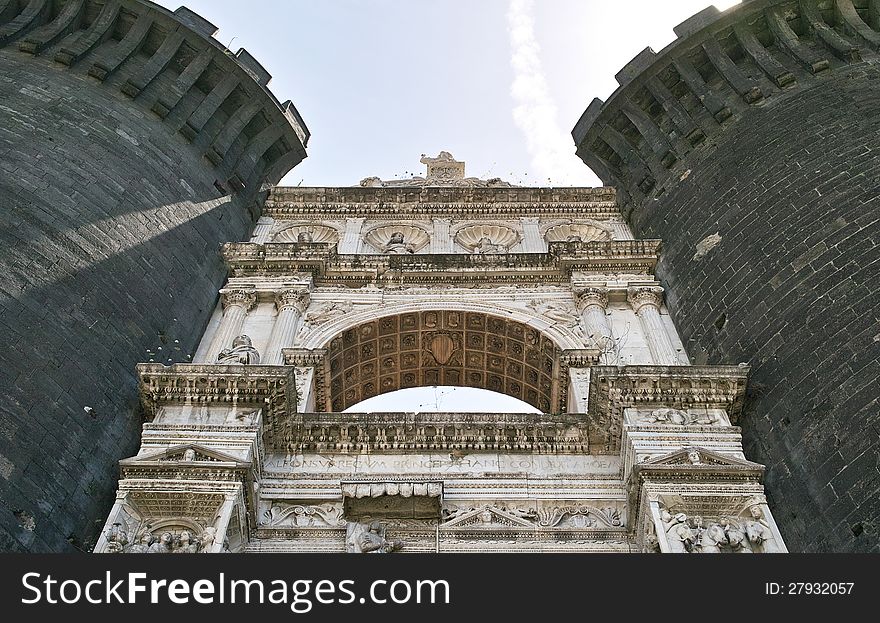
[{"x": 434, "y": 348}]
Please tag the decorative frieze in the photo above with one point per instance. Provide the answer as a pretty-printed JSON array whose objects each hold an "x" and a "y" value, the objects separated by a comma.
[
  {"x": 614, "y": 389},
  {"x": 266, "y": 387},
  {"x": 427, "y": 432},
  {"x": 385, "y": 270}
]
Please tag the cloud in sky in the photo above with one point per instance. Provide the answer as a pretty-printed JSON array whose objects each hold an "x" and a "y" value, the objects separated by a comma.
[{"x": 535, "y": 114}]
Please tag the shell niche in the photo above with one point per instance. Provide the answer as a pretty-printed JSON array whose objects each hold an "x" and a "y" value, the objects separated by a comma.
[
  {"x": 470, "y": 237},
  {"x": 587, "y": 232},
  {"x": 380, "y": 237},
  {"x": 319, "y": 233}
]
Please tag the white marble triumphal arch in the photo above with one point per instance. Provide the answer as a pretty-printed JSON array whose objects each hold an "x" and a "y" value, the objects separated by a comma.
[{"x": 343, "y": 294}]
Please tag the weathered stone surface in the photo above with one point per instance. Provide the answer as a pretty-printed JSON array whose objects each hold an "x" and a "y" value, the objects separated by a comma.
[
  {"x": 112, "y": 222},
  {"x": 790, "y": 188}
]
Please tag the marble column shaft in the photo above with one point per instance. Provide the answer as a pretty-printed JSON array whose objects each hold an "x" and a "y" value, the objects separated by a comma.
[
  {"x": 593, "y": 303},
  {"x": 291, "y": 305},
  {"x": 646, "y": 302},
  {"x": 236, "y": 305}
]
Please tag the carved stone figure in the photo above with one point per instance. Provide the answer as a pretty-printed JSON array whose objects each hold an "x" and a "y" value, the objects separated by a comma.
[
  {"x": 685, "y": 535},
  {"x": 241, "y": 353},
  {"x": 328, "y": 311},
  {"x": 487, "y": 247},
  {"x": 305, "y": 237},
  {"x": 184, "y": 544},
  {"x": 371, "y": 182},
  {"x": 652, "y": 543},
  {"x": 143, "y": 544},
  {"x": 757, "y": 530},
  {"x": 190, "y": 455},
  {"x": 369, "y": 539},
  {"x": 735, "y": 538},
  {"x": 670, "y": 416},
  {"x": 117, "y": 539},
  {"x": 398, "y": 246},
  {"x": 163, "y": 545},
  {"x": 694, "y": 457},
  {"x": 208, "y": 538},
  {"x": 714, "y": 540},
  {"x": 555, "y": 311}
]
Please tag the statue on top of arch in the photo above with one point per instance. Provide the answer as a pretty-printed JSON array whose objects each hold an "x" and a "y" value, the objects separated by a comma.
[{"x": 444, "y": 170}]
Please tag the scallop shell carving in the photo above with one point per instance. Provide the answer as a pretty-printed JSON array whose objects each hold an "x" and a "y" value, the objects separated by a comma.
[
  {"x": 470, "y": 237},
  {"x": 380, "y": 237},
  {"x": 586, "y": 232},
  {"x": 318, "y": 233}
]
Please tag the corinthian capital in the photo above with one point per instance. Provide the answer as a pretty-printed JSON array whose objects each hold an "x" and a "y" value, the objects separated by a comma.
[
  {"x": 241, "y": 298},
  {"x": 293, "y": 299},
  {"x": 590, "y": 297},
  {"x": 645, "y": 296}
]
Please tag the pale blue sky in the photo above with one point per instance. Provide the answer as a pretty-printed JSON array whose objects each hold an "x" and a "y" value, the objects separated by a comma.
[{"x": 380, "y": 82}]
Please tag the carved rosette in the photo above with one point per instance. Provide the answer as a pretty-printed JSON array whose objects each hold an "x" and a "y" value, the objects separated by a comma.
[
  {"x": 239, "y": 298},
  {"x": 293, "y": 299},
  {"x": 591, "y": 297},
  {"x": 645, "y": 296}
]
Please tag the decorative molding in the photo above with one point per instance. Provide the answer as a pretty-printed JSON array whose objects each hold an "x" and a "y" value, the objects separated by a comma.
[
  {"x": 612, "y": 389},
  {"x": 452, "y": 433},
  {"x": 328, "y": 268},
  {"x": 281, "y": 514},
  {"x": 452, "y": 202},
  {"x": 404, "y": 489},
  {"x": 267, "y": 387}
]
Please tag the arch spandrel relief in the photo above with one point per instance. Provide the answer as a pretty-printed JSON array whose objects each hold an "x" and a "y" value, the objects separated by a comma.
[{"x": 442, "y": 280}]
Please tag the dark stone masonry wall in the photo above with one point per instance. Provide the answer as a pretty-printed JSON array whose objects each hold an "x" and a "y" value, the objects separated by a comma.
[
  {"x": 132, "y": 145},
  {"x": 762, "y": 125}
]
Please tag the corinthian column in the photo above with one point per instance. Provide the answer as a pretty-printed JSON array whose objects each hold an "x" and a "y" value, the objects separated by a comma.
[
  {"x": 236, "y": 305},
  {"x": 291, "y": 305},
  {"x": 646, "y": 302},
  {"x": 592, "y": 303}
]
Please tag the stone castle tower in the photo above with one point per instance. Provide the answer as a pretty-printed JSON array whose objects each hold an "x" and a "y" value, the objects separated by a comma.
[
  {"x": 132, "y": 144},
  {"x": 750, "y": 146}
]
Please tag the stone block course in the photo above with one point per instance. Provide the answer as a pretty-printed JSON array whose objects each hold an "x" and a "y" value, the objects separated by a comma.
[
  {"x": 110, "y": 247},
  {"x": 791, "y": 187}
]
